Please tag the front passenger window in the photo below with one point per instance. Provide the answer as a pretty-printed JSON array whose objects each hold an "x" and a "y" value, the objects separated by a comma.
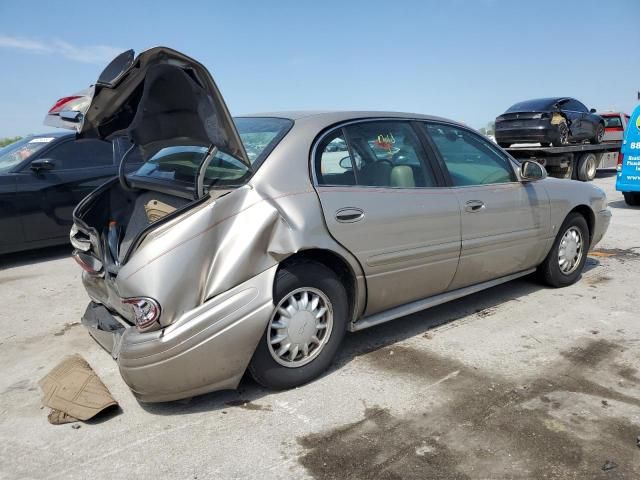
[{"x": 470, "y": 159}]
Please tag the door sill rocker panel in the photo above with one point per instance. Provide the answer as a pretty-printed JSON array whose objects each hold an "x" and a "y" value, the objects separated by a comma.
[{"x": 429, "y": 302}]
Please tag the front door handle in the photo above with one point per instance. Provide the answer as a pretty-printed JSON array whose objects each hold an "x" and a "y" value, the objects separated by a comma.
[
  {"x": 349, "y": 214},
  {"x": 474, "y": 206}
]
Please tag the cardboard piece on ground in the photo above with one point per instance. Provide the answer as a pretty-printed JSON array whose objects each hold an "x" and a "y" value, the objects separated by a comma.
[
  {"x": 75, "y": 391},
  {"x": 58, "y": 417}
]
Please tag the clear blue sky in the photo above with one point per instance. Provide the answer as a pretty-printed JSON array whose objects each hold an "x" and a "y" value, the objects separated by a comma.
[{"x": 466, "y": 60}]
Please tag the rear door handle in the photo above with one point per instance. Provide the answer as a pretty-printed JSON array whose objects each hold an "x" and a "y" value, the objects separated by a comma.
[
  {"x": 474, "y": 206},
  {"x": 349, "y": 215}
]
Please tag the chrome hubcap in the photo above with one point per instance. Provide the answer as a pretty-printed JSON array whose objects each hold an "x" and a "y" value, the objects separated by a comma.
[
  {"x": 300, "y": 327},
  {"x": 570, "y": 251}
]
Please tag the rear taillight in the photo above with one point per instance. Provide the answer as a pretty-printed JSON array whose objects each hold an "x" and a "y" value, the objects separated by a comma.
[
  {"x": 146, "y": 311},
  {"x": 620, "y": 159},
  {"x": 64, "y": 101}
]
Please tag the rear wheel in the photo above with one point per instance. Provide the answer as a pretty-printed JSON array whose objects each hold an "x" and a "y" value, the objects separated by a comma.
[
  {"x": 587, "y": 167},
  {"x": 599, "y": 135},
  {"x": 307, "y": 325},
  {"x": 562, "y": 137},
  {"x": 632, "y": 198},
  {"x": 567, "y": 257}
]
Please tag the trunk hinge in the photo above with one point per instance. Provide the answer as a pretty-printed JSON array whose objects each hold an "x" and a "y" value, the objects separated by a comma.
[{"x": 204, "y": 164}]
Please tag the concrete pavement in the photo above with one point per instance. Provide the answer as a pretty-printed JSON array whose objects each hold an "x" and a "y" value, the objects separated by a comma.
[{"x": 520, "y": 381}]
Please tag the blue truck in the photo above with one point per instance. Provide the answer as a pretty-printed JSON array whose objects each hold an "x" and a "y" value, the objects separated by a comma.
[{"x": 628, "y": 178}]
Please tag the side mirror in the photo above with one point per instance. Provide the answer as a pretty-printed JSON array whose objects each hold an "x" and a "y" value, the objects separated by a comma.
[
  {"x": 345, "y": 162},
  {"x": 593, "y": 110},
  {"x": 42, "y": 164},
  {"x": 530, "y": 171}
]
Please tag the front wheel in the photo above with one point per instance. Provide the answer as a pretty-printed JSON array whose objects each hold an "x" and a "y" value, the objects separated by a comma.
[
  {"x": 567, "y": 257},
  {"x": 306, "y": 327}
]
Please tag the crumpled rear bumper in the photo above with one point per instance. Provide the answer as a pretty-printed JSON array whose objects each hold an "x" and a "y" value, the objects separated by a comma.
[{"x": 205, "y": 349}]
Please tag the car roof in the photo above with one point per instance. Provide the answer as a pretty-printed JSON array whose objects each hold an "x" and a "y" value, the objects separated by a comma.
[
  {"x": 334, "y": 116},
  {"x": 547, "y": 99},
  {"x": 536, "y": 104},
  {"x": 542, "y": 101}
]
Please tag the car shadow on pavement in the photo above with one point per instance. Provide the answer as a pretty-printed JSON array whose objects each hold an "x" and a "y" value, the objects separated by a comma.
[
  {"x": 355, "y": 344},
  {"x": 244, "y": 397},
  {"x": 622, "y": 204},
  {"x": 606, "y": 173},
  {"x": 481, "y": 304},
  {"x": 29, "y": 257}
]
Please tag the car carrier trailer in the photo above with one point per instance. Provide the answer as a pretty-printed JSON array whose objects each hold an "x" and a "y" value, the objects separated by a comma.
[{"x": 578, "y": 162}]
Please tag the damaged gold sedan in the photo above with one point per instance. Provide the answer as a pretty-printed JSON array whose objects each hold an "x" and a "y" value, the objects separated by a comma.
[{"x": 257, "y": 242}]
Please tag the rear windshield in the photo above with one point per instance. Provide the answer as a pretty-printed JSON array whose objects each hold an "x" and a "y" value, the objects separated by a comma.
[
  {"x": 612, "y": 122},
  {"x": 180, "y": 164},
  {"x": 540, "y": 104},
  {"x": 16, "y": 152}
]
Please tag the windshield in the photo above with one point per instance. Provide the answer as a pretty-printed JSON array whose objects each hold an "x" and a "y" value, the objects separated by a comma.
[
  {"x": 180, "y": 164},
  {"x": 16, "y": 152},
  {"x": 612, "y": 122}
]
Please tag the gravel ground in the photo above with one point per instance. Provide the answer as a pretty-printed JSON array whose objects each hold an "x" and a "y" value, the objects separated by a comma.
[{"x": 519, "y": 381}]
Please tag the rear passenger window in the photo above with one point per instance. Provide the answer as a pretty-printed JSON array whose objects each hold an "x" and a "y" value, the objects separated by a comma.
[
  {"x": 574, "y": 106},
  {"x": 469, "y": 158},
  {"x": 375, "y": 154},
  {"x": 335, "y": 166}
]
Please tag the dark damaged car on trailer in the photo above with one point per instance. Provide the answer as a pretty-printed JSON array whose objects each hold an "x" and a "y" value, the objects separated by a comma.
[
  {"x": 551, "y": 121},
  {"x": 256, "y": 243}
]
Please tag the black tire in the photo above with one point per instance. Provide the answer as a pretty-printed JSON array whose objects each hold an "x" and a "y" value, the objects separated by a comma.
[
  {"x": 549, "y": 270},
  {"x": 559, "y": 172},
  {"x": 263, "y": 367},
  {"x": 504, "y": 144},
  {"x": 562, "y": 136},
  {"x": 632, "y": 198},
  {"x": 599, "y": 134},
  {"x": 587, "y": 167}
]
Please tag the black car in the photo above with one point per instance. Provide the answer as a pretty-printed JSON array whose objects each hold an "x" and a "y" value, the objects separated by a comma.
[
  {"x": 42, "y": 179},
  {"x": 550, "y": 121}
]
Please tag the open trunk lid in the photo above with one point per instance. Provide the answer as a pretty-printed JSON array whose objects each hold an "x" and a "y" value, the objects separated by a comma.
[{"x": 158, "y": 99}]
